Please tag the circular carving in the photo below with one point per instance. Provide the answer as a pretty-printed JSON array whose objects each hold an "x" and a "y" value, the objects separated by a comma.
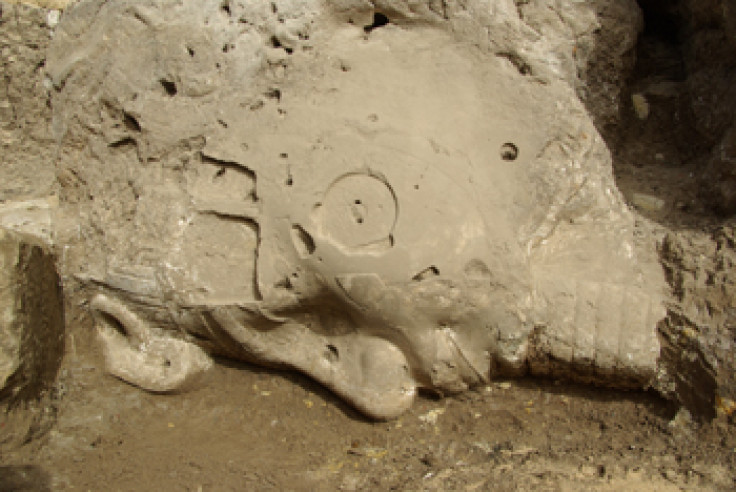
[{"x": 358, "y": 210}]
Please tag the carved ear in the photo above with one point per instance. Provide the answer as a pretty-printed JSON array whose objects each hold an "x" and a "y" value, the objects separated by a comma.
[
  {"x": 133, "y": 353},
  {"x": 117, "y": 321}
]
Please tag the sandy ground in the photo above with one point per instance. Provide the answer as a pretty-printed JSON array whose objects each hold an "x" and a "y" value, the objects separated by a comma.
[{"x": 249, "y": 429}]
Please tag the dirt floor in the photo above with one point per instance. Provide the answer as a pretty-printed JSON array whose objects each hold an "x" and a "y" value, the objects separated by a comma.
[
  {"x": 254, "y": 429},
  {"x": 250, "y": 429}
]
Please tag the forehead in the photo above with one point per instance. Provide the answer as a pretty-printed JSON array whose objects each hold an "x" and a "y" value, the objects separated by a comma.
[
  {"x": 413, "y": 98},
  {"x": 419, "y": 82},
  {"x": 391, "y": 148},
  {"x": 409, "y": 107}
]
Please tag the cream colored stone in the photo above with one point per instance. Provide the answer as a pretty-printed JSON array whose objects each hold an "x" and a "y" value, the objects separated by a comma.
[{"x": 386, "y": 208}]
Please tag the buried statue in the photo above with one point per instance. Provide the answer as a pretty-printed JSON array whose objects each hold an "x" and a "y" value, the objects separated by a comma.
[{"x": 387, "y": 209}]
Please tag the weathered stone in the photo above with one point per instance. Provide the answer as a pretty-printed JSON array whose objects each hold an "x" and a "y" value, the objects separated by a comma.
[
  {"x": 386, "y": 198},
  {"x": 26, "y": 145},
  {"x": 32, "y": 217},
  {"x": 699, "y": 330},
  {"x": 31, "y": 316},
  {"x": 46, "y": 4}
]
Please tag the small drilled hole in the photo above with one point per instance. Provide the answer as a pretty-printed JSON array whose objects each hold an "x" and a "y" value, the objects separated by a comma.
[
  {"x": 332, "y": 354},
  {"x": 273, "y": 93},
  {"x": 379, "y": 20},
  {"x": 169, "y": 87},
  {"x": 509, "y": 152}
]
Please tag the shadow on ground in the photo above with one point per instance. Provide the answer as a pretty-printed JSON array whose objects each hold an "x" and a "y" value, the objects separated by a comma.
[{"x": 29, "y": 478}]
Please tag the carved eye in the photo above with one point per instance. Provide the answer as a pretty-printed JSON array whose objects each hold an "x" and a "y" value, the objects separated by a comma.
[{"x": 358, "y": 211}]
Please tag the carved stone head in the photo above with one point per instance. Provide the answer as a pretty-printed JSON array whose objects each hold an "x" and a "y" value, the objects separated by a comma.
[{"x": 386, "y": 209}]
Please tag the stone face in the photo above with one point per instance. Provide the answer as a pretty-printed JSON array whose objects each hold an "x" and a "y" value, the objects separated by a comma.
[
  {"x": 390, "y": 198},
  {"x": 31, "y": 316}
]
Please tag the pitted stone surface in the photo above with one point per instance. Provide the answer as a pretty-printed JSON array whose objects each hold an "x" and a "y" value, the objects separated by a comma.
[{"x": 385, "y": 208}]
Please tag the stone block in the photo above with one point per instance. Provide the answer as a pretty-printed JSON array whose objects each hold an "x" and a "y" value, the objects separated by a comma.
[{"x": 31, "y": 316}]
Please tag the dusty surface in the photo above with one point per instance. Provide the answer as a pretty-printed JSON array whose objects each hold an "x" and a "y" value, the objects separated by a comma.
[
  {"x": 387, "y": 208},
  {"x": 25, "y": 137},
  {"x": 271, "y": 431},
  {"x": 262, "y": 430}
]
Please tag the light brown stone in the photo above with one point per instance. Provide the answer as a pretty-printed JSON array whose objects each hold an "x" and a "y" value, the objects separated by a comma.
[
  {"x": 387, "y": 207},
  {"x": 31, "y": 316}
]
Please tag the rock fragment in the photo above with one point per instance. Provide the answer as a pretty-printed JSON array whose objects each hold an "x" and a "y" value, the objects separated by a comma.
[
  {"x": 648, "y": 203},
  {"x": 641, "y": 106},
  {"x": 31, "y": 316}
]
